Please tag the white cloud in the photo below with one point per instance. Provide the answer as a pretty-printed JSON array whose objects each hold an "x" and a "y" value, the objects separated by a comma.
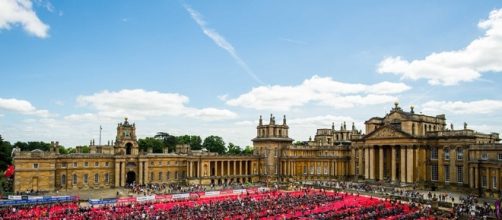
[
  {"x": 14, "y": 12},
  {"x": 219, "y": 40},
  {"x": 321, "y": 90},
  {"x": 22, "y": 107},
  {"x": 246, "y": 123},
  {"x": 451, "y": 67},
  {"x": 140, "y": 104},
  {"x": 322, "y": 121},
  {"x": 460, "y": 107}
]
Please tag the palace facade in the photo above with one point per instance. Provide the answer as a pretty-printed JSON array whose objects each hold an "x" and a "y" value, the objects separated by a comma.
[{"x": 401, "y": 147}]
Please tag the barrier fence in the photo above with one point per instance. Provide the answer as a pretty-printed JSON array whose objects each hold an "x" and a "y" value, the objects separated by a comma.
[
  {"x": 181, "y": 196},
  {"x": 33, "y": 200}
]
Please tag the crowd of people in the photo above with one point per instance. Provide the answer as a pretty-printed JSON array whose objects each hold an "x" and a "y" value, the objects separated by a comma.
[
  {"x": 305, "y": 204},
  {"x": 164, "y": 188},
  {"x": 470, "y": 207}
]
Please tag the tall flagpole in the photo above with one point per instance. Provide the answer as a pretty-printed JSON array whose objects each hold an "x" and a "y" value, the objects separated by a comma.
[{"x": 100, "y": 129}]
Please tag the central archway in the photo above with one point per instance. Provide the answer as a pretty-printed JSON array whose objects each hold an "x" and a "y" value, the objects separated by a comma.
[{"x": 131, "y": 177}]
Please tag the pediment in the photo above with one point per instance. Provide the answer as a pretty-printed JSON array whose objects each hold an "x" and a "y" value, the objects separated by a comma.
[{"x": 387, "y": 132}]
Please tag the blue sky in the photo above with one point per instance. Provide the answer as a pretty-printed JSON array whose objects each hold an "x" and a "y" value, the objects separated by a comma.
[{"x": 212, "y": 67}]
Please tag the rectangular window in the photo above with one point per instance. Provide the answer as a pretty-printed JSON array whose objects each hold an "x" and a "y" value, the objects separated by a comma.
[
  {"x": 483, "y": 181},
  {"x": 86, "y": 164},
  {"x": 96, "y": 178},
  {"x": 326, "y": 171},
  {"x": 446, "y": 154},
  {"x": 447, "y": 173},
  {"x": 460, "y": 154},
  {"x": 107, "y": 164},
  {"x": 494, "y": 182},
  {"x": 500, "y": 156},
  {"x": 96, "y": 164},
  {"x": 484, "y": 156},
  {"x": 312, "y": 170},
  {"x": 434, "y": 175},
  {"x": 151, "y": 176},
  {"x": 74, "y": 179},
  {"x": 35, "y": 165},
  {"x": 75, "y": 164},
  {"x": 160, "y": 176},
  {"x": 434, "y": 153},
  {"x": 168, "y": 175},
  {"x": 63, "y": 180},
  {"x": 304, "y": 170},
  {"x": 86, "y": 178},
  {"x": 168, "y": 163},
  {"x": 460, "y": 174},
  {"x": 160, "y": 163},
  {"x": 63, "y": 165},
  {"x": 107, "y": 178}
]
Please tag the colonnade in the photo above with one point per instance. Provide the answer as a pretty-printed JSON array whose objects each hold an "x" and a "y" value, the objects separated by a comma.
[
  {"x": 319, "y": 168},
  {"x": 394, "y": 162}
]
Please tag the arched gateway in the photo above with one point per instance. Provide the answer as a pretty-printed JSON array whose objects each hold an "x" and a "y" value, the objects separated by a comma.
[{"x": 131, "y": 177}]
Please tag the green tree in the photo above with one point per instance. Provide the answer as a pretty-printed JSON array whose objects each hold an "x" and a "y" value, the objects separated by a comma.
[
  {"x": 194, "y": 141},
  {"x": 234, "y": 149},
  {"x": 5, "y": 154},
  {"x": 63, "y": 150},
  {"x": 248, "y": 150},
  {"x": 156, "y": 144},
  {"x": 299, "y": 143},
  {"x": 214, "y": 144},
  {"x": 32, "y": 145},
  {"x": 167, "y": 139}
]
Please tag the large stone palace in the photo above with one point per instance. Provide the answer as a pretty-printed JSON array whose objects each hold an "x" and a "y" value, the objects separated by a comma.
[{"x": 402, "y": 147}]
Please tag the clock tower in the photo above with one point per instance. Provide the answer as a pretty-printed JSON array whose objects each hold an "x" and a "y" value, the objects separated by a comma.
[{"x": 125, "y": 142}]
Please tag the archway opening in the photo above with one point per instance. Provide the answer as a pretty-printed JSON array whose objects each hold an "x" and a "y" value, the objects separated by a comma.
[
  {"x": 128, "y": 148},
  {"x": 131, "y": 177}
]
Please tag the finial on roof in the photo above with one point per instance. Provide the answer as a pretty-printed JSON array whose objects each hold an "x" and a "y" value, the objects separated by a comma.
[{"x": 412, "y": 109}]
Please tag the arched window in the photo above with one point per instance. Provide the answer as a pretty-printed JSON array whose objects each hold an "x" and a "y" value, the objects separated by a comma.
[
  {"x": 63, "y": 179},
  {"x": 96, "y": 178},
  {"x": 74, "y": 179},
  {"x": 128, "y": 148}
]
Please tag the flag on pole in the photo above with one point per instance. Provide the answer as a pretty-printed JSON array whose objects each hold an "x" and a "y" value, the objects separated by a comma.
[{"x": 9, "y": 171}]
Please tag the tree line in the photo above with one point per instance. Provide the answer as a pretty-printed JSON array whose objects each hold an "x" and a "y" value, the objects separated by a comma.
[{"x": 157, "y": 143}]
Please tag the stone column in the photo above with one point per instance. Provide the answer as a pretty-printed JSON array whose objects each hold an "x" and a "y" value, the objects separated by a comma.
[
  {"x": 476, "y": 179},
  {"x": 123, "y": 174},
  {"x": 471, "y": 177},
  {"x": 361, "y": 167},
  {"x": 488, "y": 178},
  {"x": 380, "y": 161},
  {"x": 235, "y": 168},
  {"x": 117, "y": 174},
  {"x": 393, "y": 164},
  {"x": 246, "y": 168},
  {"x": 140, "y": 174},
  {"x": 372, "y": 163},
  {"x": 403, "y": 164},
  {"x": 228, "y": 168},
  {"x": 366, "y": 163},
  {"x": 147, "y": 174},
  {"x": 409, "y": 165}
]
